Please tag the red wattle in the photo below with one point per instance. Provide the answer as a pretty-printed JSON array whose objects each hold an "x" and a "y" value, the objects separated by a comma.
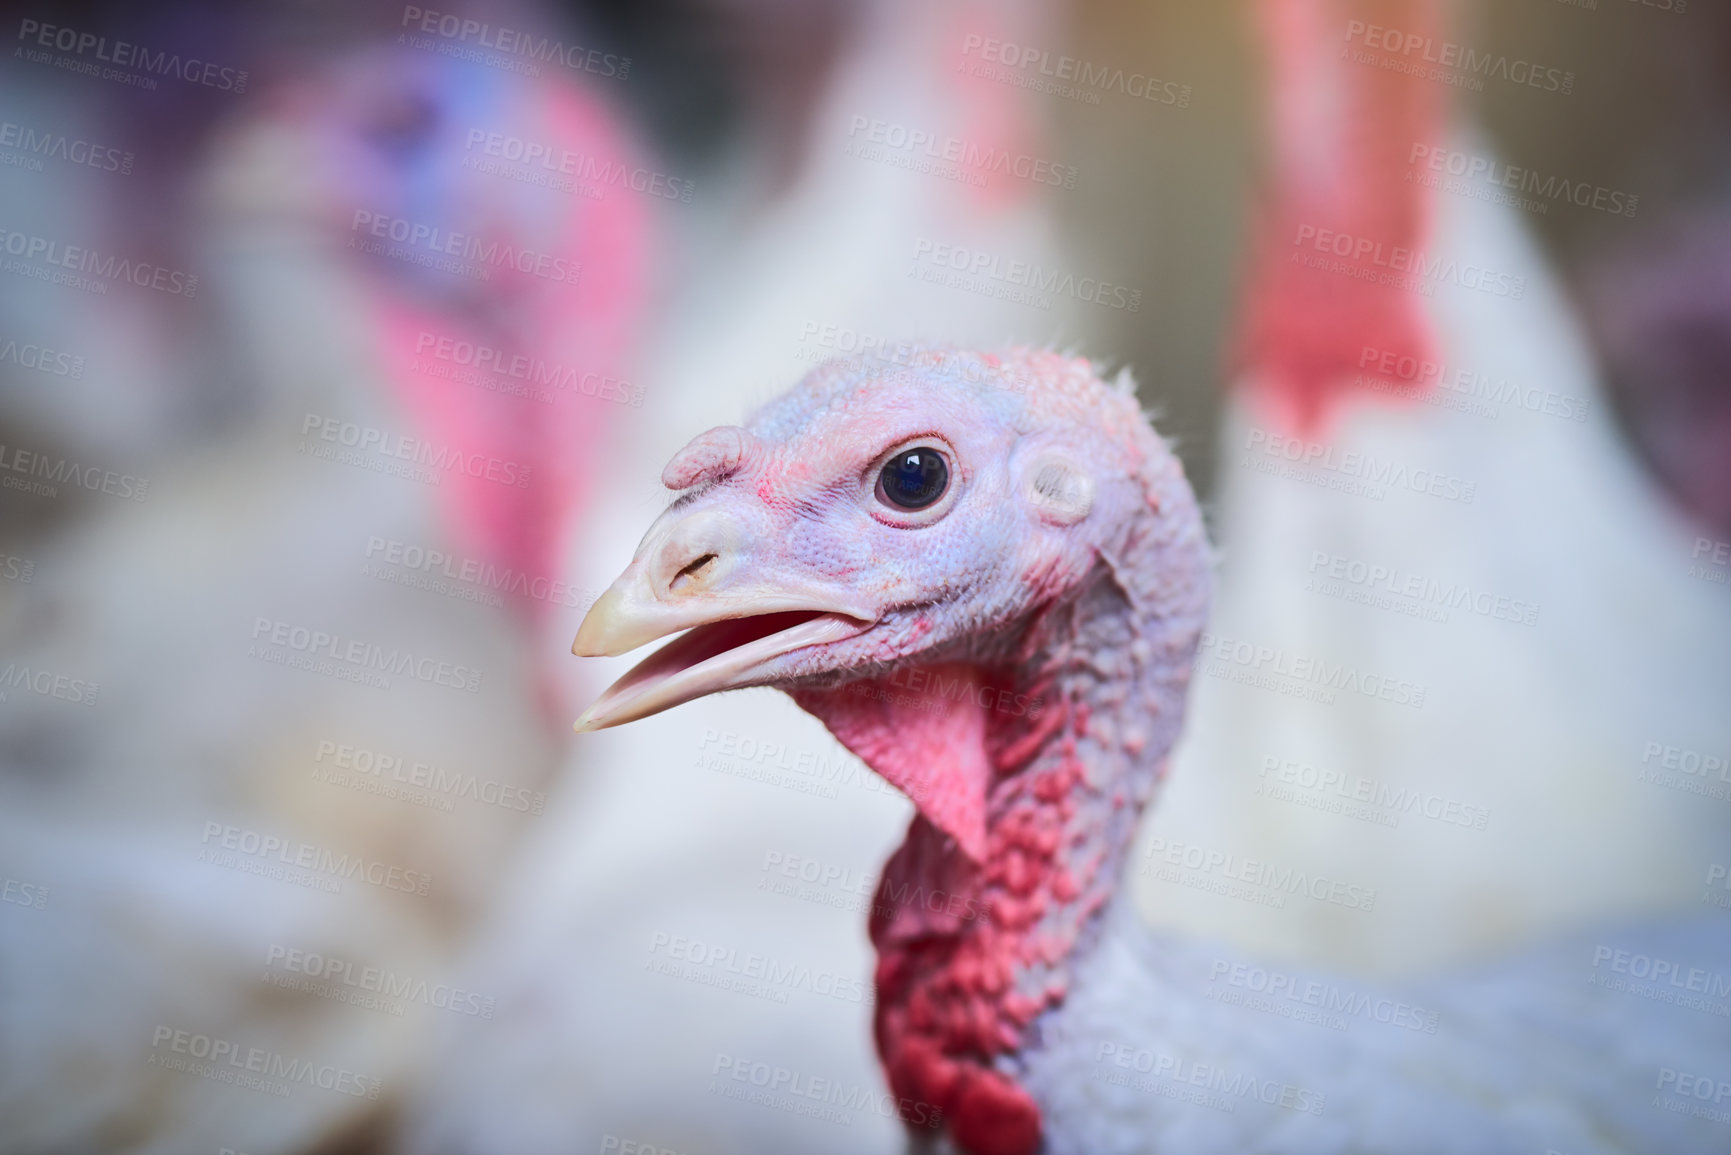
[
  {"x": 1340, "y": 207},
  {"x": 959, "y": 933},
  {"x": 925, "y": 734},
  {"x": 993, "y": 1116}
]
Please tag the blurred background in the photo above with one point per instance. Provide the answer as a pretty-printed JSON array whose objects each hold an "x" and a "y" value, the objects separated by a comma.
[{"x": 342, "y": 345}]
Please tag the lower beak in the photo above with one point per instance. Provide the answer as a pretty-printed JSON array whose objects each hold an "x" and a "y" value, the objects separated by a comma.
[{"x": 724, "y": 653}]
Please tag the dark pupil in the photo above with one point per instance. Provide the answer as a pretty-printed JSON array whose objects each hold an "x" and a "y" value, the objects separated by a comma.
[{"x": 915, "y": 479}]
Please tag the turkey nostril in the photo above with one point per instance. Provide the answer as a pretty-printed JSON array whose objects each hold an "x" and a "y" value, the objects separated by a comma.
[
  {"x": 693, "y": 554},
  {"x": 691, "y": 571}
]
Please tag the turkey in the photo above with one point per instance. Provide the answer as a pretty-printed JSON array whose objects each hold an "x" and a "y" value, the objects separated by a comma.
[
  {"x": 989, "y": 579},
  {"x": 1415, "y": 449},
  {"x": 156, "y": 943},
  {"x": 605, "y": 1024}
]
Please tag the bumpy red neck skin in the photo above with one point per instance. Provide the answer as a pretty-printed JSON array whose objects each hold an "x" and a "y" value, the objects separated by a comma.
[{"x": 974, "y": 944}]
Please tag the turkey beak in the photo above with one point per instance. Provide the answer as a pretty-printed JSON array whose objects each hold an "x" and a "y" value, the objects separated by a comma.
[{"x": 696, "y": 573}]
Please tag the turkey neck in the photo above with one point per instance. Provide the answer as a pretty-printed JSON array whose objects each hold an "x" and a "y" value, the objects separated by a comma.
[{"x": 970, "y": 954}]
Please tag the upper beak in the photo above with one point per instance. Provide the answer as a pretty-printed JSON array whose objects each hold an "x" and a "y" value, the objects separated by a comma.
[{"x": 694, "y": 575}]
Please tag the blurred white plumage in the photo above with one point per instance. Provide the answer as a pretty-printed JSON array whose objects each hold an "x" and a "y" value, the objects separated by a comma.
[
  {"x": 249, "y": 846},
  {"x": 1545, "y": 726}
]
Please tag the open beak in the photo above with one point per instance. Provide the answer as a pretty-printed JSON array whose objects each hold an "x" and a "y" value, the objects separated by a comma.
[
  {"x": 719, "y": 655},
  {"x": 730, "y": 634}
]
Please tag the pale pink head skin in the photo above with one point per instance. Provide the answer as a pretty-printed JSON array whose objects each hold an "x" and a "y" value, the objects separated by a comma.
[{"x": 1014, "y": 658}]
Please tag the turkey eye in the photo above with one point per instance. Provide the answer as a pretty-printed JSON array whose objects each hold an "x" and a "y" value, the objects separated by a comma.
[{"x": 913, "y": 478}]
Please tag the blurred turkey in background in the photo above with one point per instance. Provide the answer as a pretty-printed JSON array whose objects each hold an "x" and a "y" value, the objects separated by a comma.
[{"x": 339, "y": 368}]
